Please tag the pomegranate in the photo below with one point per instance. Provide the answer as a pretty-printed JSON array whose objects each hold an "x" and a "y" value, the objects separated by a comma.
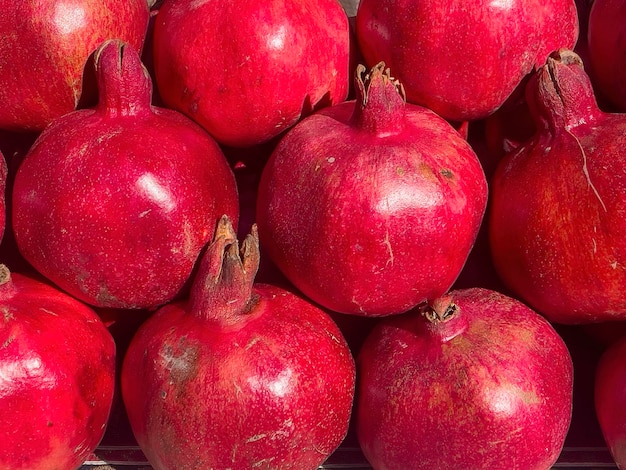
[
  {"x": 610, "y": 396},
  {"x": 371, "y": 207},
  {"x": 247, "y": 71},
  {"x": 106, "y": 198},
  {"x": 475, "y": 379},
  {"x": 606, "y": 50},
  {"x": 57, "y": 375},
  {"x": 463, "y": 59},
  {"x": 240, "y": 376},
  {"x": 45, "y": 46},
  {"x": 555, "y": 231}
]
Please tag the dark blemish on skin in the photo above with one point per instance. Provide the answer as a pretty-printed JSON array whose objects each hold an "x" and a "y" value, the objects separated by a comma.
[{"x": 446, "y": 173}]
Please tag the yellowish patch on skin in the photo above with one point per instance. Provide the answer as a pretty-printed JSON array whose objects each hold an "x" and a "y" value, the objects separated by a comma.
[
  {"x": 7, "y": 315},
  {"x": 7, "y": 342},
  {"x": 387, "y": 243},
  {"x": 427, "y": 172},
  {"x": 60, "y": 456},
  {"x": 181, "y": 361}
]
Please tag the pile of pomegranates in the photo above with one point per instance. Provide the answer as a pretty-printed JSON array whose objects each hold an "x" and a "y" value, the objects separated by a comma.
[{"x": 384, "y": 234}]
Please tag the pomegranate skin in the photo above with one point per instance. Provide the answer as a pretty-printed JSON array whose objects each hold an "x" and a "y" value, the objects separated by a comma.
[
  {"x": 606, "y": 50},
  {"x": 609, "y": 399},
  {"x": 57, "y": 376},
  {"x": 461, "y": 59},
  {"x": 484, "y": 383},
  {"x": 555, "y": 225},
  {"x": 372, "y": 206},
  {"x": 45, "y": 47},
  {"x": 266, "y": 384},
  {"x": 106, "y": 198},
  {"x": 246, "y": 71}
]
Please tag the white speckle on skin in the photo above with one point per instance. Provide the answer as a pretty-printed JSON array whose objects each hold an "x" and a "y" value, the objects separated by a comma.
[{"x": 256, "y": 437}]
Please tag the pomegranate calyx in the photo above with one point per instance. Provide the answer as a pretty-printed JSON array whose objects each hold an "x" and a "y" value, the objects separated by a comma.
[
  {"x": 124, "y": 84},
  {"x": 566, "y": 57},
  {"x": 380, "y": 101},
  {"x": 5, "y": 274},
  {"x": 562, "y": 95},
  {"x": 7, "y": 288},
  {"x": 444, "y": 318},
  {"x": 223, "y": 287},
  {"x": 440, "y": 310}
]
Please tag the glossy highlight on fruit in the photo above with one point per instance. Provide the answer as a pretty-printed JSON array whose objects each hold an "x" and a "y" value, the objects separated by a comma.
[
  {"x": 475, "y": 379},
  {"x": 371, "y": 207},
  {"x": 57, "y": 376},
  {"x": 114, "y": 203},
  {"x": 556, "y": 235},
  {"x": 247, "y": 71},
  {"x": 463, "y": 59},
  {"x": 241, "y": 375},
  {"x": 45, "y": 49}
]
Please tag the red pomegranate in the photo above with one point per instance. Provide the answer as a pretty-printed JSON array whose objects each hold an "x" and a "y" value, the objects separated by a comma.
[
  {"x": 463, "y": 59},
  {"x": 115, "y": 203},
  {"x": 57, "y": 376},
  {"x": 241, "y": 375},
  {"x": 473, "y": 380},
  {"x": 45, "y": 47},
  {"x": 371, "y": 207},
  {"x": 556, "y": 233},
  {"x": 610, "y": 397},
  {"x": 606, "y": 50},
  {"x": 246, "y": 71}
]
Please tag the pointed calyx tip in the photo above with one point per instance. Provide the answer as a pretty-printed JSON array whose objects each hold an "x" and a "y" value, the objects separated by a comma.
[
  {"x": 224, "y": 229},
  {"x": 224, "y": 282},
  {"x": 365, "y": 78},
  {"x": 5, "y": 274},
  {"x": 227, "y": 255},
  {"x": 566, "y": 57},
  {"x": 440, "y": 310},
  {"x": 124, "y": 84}
]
